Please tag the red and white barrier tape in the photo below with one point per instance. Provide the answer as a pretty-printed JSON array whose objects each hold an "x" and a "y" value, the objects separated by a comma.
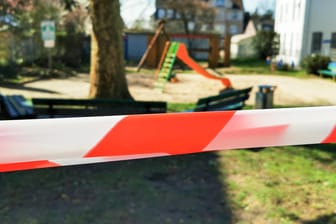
[{"x": 30, "y": 144}]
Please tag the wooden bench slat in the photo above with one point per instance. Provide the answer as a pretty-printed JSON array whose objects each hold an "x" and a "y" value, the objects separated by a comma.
[
  {"x": 16, "y": 107},
  {"x": 331, "y": 71},
  {"x": 27, "y": 105},
  {"x": 8, "y": 109}
]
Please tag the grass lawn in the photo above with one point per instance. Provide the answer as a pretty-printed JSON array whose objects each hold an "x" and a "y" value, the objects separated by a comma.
[
  {"x": 257, "y": 66},
  {"x": 294, "y": 184},
  {"x": 238, "y": 66},
  {"x": 281, "y": 185}
]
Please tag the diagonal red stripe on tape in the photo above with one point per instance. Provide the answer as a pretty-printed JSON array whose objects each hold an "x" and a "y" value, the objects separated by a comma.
[
  {"x": 332, "y": 137},
  {"x": 172, "y": 134},
  {"x": 27, "y": 165}
]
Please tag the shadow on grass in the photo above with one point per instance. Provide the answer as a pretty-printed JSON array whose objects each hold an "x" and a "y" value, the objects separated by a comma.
[
  {"x": 326, "y": 219},
  {"x": 22, "y": 87},
  {"x": 180, "y": 189},
  {"x": 313, "y": 152}
]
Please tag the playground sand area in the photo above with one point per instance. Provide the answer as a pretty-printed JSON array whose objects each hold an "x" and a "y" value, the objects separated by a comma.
[
  {"x": 312, "y": 91},
  {"x": 190, "y": 87}
]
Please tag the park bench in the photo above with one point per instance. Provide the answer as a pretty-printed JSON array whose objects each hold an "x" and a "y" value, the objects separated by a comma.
[
  {"x": 15, "y": 107},
  {"x": 331, "y": 71},
  {"x": 50, "y": 108},
  {"x": 227, "y": 100}
]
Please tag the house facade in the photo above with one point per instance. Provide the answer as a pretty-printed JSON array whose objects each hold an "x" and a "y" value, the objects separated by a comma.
[
  {"x": 305, "y": 27},
  {"x": 242, "y": 44},
  {"x": 228, "y": 16}
]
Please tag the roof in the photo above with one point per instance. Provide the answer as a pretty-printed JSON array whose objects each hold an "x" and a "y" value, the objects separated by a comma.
[{"x": 250, "y": 32}]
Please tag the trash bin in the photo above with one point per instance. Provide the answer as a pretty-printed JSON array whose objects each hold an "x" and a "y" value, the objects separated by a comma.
[{"x": 264, "y": 97}]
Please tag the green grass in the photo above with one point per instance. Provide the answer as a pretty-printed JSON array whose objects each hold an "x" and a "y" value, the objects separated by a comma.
[
  {"x": 238, "y": 66},
  {"x": 274, "y": 185},
  {"x": 257, "y": 66},
  {"x": 282, "y": 184},
  {"x": 177, "y": 107}
]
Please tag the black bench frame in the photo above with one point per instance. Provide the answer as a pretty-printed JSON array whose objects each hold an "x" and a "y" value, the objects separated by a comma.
[
  {"x": 17, "y": 107},
  {"x": 227, "y": 100},
  {"x": 49, "y": 107}
]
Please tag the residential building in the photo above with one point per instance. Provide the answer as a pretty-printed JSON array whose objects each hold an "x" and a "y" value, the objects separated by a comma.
[
  {"x": 242, "y": 44},
  {"x": 305, "y": 27},
  {"x": 228, "y": 16}
]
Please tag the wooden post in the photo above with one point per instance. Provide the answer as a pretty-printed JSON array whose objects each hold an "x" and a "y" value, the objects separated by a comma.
[
  {"x": 214, "y": 51},
  {"x": 227, "y": 50},
  {"x": 50, "y": 60}
]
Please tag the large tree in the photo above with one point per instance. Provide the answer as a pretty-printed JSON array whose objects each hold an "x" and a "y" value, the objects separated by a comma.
[
  {"x": 107, "y": 73},
  {"x": 107, "y": 66}
]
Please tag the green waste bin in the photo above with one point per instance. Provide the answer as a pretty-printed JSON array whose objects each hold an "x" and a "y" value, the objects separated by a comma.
[{"x": 264, "y": 97}]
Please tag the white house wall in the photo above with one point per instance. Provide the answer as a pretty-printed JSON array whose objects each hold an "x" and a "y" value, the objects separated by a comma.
[
  {"x": 297, "y": 20},
  {"x": 289, "y": 24},
  {"x": 322, "y": 18}
]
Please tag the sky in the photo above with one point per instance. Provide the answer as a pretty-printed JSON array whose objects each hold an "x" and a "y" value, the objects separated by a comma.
[{"x": 132, "y": 10}]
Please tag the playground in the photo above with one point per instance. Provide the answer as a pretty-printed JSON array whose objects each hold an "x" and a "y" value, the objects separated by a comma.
[
  {"x": 191, "y": 86},
  {"x": 236, "y": 186}
]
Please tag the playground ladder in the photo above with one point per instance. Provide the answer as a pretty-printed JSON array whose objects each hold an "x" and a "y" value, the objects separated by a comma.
[{"x": 167, "y": 66}]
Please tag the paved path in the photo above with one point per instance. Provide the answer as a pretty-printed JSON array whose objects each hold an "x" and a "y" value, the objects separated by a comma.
[{"x": 289, "y": 91}]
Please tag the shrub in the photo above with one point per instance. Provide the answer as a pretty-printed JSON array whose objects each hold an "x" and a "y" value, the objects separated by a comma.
[
  {"x": 71, "y": 49},
  {"x": 284, "y": 67},
  {"x": 8, "y": 70},
  {"x": 313, "y": 63},
  {"x": 266, "y": 43}
]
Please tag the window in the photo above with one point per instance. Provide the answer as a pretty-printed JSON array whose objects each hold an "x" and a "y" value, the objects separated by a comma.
[
  {"x": 160, "y": 13},
  {"x": 170, "y": 14},
  {"x": 191, "y": 25},
  {"x": 220, "y": 2},
  {"x": 333, "y": 40},
  {"x": 235, "y": 16},
  {"x": 221, "y": 14},
  {"x": 316, "y": 42},
  {"x": 220, "y": 28},
  {"x": 233, "y": 29}
]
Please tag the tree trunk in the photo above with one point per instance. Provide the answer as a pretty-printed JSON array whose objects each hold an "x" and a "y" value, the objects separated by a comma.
[{"x": 107, "y": 72}]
